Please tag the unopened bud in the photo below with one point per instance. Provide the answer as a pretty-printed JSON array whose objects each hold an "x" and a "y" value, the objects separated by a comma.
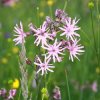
[
  {"x": 28, "y": 61},
  {"x": 44, "y": 92},
  {"x": 56, "y": 93},
  {"x": 91, "y": 5}
]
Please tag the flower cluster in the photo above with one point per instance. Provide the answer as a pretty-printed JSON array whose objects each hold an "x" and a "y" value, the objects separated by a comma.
[
  {"x": 7, "y": 95},
  {"x": 46, "y": 36}
]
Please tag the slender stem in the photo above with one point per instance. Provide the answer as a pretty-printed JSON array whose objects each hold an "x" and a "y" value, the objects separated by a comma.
[
  {"x": 38, "y": 87},
  {"x": 98, "y": 25},
  {"x": 45, "y": 81},
  {"x": 50, "y": 8},
  {"x": 19, "y": 94},
  {"x": 42, "y": 97},
  {"x": 30, "y": 80},
  {"x": 38, "y": 15},
  {"x": 95, "y": 46},
  {"x": 67, "y": 84},
  {"x": 65, "y": 5}
]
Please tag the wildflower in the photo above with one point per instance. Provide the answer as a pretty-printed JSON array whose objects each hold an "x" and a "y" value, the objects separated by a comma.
[
  {"x": 44, "y": 66},
  {"x": 50, "y": 2},
  {"x": 56, "y": 93},
  {"x": 69, "y": 29},
  {"x": 74, "y": 49},
  {"x": 15, "y": 50},
  {"x": 15, "y": 84},
  {"x": 10, "y": 3},
  {"x": 12, "y": 93},
  {"x": 48, "y": 20},
  {"x": 97, "y": 70},
  {"x": 3, "y": 92},
  {"x": 4, "y": 60},
  {"x": 94, "y": 86},
  {"x": 54, "y": 51},
  {"x": 60, "y": 15},
  {"x": 41, "y": 34},
  {"x": 7, "y": 35},
  {"x": 20, "y": 34},
  {"x": 41, "y": 14}
]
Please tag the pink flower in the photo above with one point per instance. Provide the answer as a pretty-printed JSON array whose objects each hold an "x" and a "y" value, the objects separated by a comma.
[
  {"x": 9, "y": 2},
  {"x": 54, "y": 50},
  {"x": 94, "y": 86},
  {"x": 12, "y": 93},
  {"x": 56, "y": 93},
  {"x": 41, "y": 34},
  {"x": 44, "y": 66},
  {"x": 74, "y": 49},
  {"x": 20, "y": 34},
  {"x": 69, "y": 29}
]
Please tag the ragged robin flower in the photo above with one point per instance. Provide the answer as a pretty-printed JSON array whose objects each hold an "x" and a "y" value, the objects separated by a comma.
[
  {"x": 70, "y": 28},
  {"x": 44, "y": 66},
  {"x": 74, "y": 49},
  {"x": 54, "y": 51},
  {"x": 20, "y": 36},
  {"x": 41, "y": 34}
]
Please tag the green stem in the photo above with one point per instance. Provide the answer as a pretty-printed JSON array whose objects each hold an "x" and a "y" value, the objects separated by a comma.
[
  {"x": 98, "y": 25},
  {"x": 67, "y": 84},
  {"x": 38, "y": 16},
  {"x": 50, "y": 8},
  {"x": 65, "y": 5},
  {"x": 95, "y": 46},
  {"x": 42, "y": 97},
  {"x": 19, "y": 94}
]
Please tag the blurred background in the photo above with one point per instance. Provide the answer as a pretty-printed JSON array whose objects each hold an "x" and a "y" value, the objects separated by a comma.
[{"x": 83, "y": 76}]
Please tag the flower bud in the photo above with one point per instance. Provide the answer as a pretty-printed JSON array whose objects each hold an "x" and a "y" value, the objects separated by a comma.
[
  {"x": 56, "y": 93},
  {"x": 28, "y": 61},
  {"x": 91, "y": 5},
  {"x": 3, "y": 92},
  {"x": 44, "y": 92}
]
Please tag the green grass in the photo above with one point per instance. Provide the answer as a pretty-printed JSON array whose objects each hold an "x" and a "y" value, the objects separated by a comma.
[{"x": 82, "y": 71}]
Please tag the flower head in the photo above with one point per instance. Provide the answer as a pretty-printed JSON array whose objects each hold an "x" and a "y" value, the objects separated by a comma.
[
  {"x": 74, "y": 49},
  {"x": 69, "y": 29},
  {"x": 15, "y": 84},
  {"x": 61, "y": 15},
  {"x": 12, "y": 93},
  {"x": 20, "y": 34},
  {"x": 54, "y": 50},
  {"x": 9, "y": 3},
  {"x": 3, "y": 92},
  {"x": 94, "y": 86},
  {"x": 44, "y": 66},
  {"x": 41, "y": 34},
  {"x": 56, "y": 93}
]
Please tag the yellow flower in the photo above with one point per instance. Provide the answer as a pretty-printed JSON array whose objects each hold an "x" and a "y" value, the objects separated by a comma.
[
  {"x": 50, "y": 2},
  {"x": 97, "y": 70},
  {"x": 4, "y": 60},
  {"x": 15, "y": 50},
  {"x": 41, "y": 14},
  {"x": 15, "y": 84}
]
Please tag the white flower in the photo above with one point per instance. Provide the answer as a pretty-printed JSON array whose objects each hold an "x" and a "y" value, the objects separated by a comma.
[
  {"x": 74, "y": 49},
  {"x": 69, "y": 29},
  {"x": 54, "y": 51},
  {"x": 20, "y": 34},
  {"x": 44, "y": 66},
  {"x": 41, "y": 34}
]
